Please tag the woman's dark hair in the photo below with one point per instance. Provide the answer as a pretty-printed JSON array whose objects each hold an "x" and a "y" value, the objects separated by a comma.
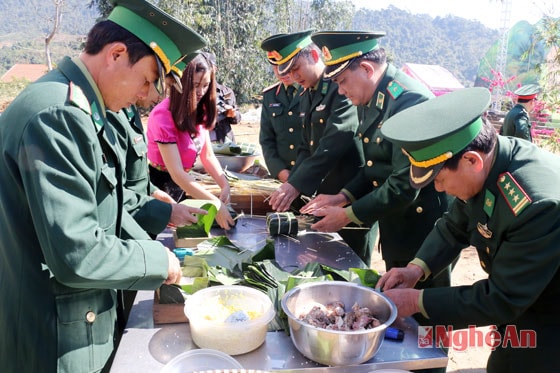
[
  {"x": 106, "y": 32},
  {"x": 484, "y": 142},
  {"x": 187, "y": 114}
]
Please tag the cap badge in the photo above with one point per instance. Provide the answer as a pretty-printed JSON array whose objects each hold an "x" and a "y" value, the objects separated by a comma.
[
  {"x": 274, "y": 55},
  {"x": 326, "y": 53}
]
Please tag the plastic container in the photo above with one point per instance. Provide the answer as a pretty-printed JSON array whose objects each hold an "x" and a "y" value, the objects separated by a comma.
[
  {"x": 200, "y": 360},
  {"x": 214, "y": 317}
]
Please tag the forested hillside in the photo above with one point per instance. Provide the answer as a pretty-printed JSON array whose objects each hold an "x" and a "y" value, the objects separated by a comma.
[{"x": 452, "y": 42}]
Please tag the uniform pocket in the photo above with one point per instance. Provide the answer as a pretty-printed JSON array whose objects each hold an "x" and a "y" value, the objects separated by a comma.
[
  {"x": 107, "y": 198},
  {"x": 85, "y": 328}
]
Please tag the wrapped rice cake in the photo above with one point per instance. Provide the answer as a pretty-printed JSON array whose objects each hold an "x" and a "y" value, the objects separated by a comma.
[{"x": 281, "y": 223}]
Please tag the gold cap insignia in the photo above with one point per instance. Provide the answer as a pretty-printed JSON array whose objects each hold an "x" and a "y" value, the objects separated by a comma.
[{"x": 326, "y": 53}]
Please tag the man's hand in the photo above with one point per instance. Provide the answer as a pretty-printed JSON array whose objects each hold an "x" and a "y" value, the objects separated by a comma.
[
  {"x": 184, "y": 215},
  {"x": 334, "y": 219},
  {"x": 403, "y": 277},
  {"x": 323, "y": 200},
  {"x": 406, "y": 300},
  {"x": 162, "y": 196},
  {"x": 174, "y": 269},
  {"x": 283, "y": 175},
  {"x": 282, "y": 198}
]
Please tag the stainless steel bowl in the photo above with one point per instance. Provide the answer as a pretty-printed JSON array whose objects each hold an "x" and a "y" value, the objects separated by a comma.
[
  {"x": 236, "y": 163},
  {"x": 332, "y": 347}
]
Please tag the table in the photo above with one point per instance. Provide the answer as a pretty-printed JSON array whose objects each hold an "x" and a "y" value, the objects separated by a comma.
[{"x": 147, "y": 347}]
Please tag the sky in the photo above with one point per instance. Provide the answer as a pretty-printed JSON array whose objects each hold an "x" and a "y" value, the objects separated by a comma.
[{"x": 487, "y": 12}]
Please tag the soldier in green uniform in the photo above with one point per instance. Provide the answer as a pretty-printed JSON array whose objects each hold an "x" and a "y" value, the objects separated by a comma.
[
  {"x": 517, "y": 122},
  {"x": 507, "y": 206},
  {"x": 329, "y": 153},
  {"x": 152, "y": 208},
  {"x": 380, "y": 192},
  {"x": 280, "y": 126},
  {"x": 61, "y": 199}
]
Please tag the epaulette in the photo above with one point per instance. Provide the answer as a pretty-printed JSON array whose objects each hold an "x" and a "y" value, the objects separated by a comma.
[
  {"x": 514, "y": 195},
  {"x": 271, "y": 87},
  {"x": 77, "y": 98},
  {"x": 395, "y": 89}
]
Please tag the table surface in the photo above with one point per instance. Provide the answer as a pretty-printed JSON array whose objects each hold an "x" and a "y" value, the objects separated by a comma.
[{"x": 147, "y": 347}]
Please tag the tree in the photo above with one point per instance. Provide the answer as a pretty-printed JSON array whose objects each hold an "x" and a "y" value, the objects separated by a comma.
[{"x": 58, "y": 5}]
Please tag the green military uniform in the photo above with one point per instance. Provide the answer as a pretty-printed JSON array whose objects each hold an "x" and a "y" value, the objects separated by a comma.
[
  {"x": 517, "y": 123},
  {"x": 64, "y": 236},
  {"x": 280, "y": 127},
  {"x": 514, "y": 223},
  {"x": 61, "y": 211},
  {"x": 329, "y": 153},
  {"x": 380, "y": 192},
  {"x": 151, "y": 214}
]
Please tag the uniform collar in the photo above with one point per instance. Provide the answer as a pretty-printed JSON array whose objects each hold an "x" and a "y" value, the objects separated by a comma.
[{"x": 91, "y": 82}]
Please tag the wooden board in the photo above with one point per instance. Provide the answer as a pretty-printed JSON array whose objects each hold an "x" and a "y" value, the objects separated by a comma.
[{"x": 168, "y": 313}]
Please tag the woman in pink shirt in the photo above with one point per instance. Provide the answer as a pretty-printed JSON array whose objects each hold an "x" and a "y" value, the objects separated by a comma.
[{"x": 178, "y": 132}]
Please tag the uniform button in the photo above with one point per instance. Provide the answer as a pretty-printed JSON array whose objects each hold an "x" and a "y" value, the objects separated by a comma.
[
  {"x": 369, "y": 163},
  {"x": 366, "y": 140},
  {"x": 273, "y": 114},
  {"x": 311, "y": 142},
  {"x": 482, "y": 264},
  {"x": 292, "y": 146},
  {"x": 321, "y": 120},
  {"x": 487, "y": 250},
  {"x": 293, "y": 163},
  {"x": 360, "y": 135},
  {"x": 375, "y": 183},
  {"x": 290, "y": 113},
  {"x": 90, "y": 317},
  {"x": 291, "y": 129},
  {"x": 378, "y": 140},
  {"x": 419, "y": 209}
]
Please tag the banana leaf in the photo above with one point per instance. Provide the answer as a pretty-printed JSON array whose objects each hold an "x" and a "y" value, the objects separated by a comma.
[
  {"x": 223, "y": 276},
  {"x": 197, "y": 270},
  {"x": 220, "y": 251},
  {"x": 202, "y": 227}
]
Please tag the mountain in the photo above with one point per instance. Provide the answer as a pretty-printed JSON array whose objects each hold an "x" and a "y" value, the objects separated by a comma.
[{"x": 452, "y": 42}]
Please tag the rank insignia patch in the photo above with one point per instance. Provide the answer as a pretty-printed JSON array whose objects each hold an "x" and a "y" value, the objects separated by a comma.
[{"x": 514, "y": 195}]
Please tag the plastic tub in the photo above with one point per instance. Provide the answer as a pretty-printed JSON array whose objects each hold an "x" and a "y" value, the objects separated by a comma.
[{"x": 232, "y": 319}]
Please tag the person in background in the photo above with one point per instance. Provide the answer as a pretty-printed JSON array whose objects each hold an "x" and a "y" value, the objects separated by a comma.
[
  {"x": 158, "y": 209},
  {"x": 178, "y": 133},
  {"x": 517, "y": 122},
  {"x": 329, "y": 153},
  {"x": 502, "y": 208},
  {"x": 280, "y": 126},
  {"x": 380, "y": 192},
  {"x": 228, "y": 112},
  {"x": 61, "y": 196}
]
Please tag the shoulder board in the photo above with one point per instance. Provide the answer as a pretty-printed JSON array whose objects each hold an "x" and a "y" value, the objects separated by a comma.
[
  {"x": 514, "y": 195},
  {"x": 77, "y": 98},
  {"x": 271, "y": 87},
  {"x": 395, "y": 89}
]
